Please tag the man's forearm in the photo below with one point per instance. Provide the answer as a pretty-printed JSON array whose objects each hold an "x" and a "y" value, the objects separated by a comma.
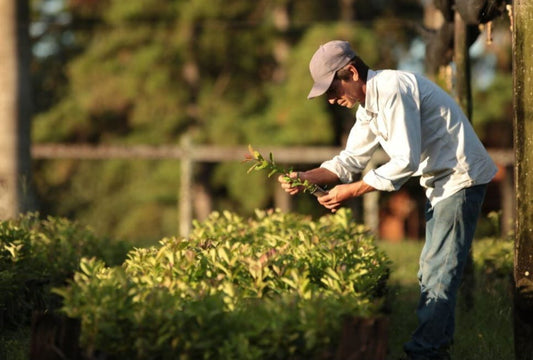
[
  {"x": 360, "y": 188},
  {"x": 334, "y": 199},
  {"x": 319, "y": 176}
]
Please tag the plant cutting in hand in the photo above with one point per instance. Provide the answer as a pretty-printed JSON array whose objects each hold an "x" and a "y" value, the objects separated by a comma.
[{"x": 260, "y": 163}]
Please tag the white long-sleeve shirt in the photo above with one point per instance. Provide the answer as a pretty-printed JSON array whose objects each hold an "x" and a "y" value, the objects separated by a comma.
[{"x": 422, "y": 130}]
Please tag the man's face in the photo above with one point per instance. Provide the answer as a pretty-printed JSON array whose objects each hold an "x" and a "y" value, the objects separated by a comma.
[{"x": 348, "y": 92}]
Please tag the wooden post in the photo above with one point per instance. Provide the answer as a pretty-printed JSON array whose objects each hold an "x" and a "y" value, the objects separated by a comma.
[
  {"x": 282, "y": 200},
  {"x": 54, "y": 337},
  {"x": 371, "y": 205},
  {"x": 461, "y": 58},
  {"x": 508, "y": 201},
  {"x": 523, "y": 143},
  {"x": 463, "y": 95},
  {"x": 185, "y": 196},
  {"x": 363, "y": 339}
]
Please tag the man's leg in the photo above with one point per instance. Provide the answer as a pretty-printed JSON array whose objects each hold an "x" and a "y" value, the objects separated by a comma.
[{"x": 450, "y": 227}]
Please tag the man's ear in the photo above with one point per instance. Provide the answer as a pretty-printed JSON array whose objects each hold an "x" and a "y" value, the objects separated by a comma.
[{"x": 355, "y": 73}]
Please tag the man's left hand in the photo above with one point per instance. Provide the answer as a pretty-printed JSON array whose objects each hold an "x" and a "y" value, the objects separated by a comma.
[{"x": 335, "y": 197}]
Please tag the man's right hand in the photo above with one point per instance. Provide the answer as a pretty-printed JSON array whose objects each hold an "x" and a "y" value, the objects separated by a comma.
[{"x": 286, "y": 185}]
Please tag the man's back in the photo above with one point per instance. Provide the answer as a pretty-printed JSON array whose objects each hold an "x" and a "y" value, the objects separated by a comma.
[{"x": 414, "y": 117}]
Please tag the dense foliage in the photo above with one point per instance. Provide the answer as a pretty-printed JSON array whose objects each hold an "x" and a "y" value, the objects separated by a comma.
[
  {"x": 494, "y": 257},
  {"x": 276, "y": 286},
  {"x": 37, "y": 254},
  {"x": 280, "y": 284}
]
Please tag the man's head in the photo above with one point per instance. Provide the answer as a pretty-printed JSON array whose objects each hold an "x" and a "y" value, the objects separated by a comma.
[{"x": 338, "y": 72}]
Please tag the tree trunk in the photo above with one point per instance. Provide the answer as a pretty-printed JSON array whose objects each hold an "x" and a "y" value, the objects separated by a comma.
[
  {"x": 523, "y": 139},
  {"x": 15, "y": 113}
]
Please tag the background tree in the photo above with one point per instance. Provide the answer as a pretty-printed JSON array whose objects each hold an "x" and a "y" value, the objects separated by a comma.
[
  {"x": 224, "y": 73},
  {"x": 15, "y": 109}
]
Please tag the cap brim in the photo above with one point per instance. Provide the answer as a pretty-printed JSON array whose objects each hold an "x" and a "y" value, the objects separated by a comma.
[{"x": 321, "y": 86}]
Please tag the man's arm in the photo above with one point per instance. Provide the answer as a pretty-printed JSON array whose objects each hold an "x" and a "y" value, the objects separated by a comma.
[
  {"x": 336, "y": 196},
  {"x": 319, "y": 176},
  {"x": 340, "y": 193}
]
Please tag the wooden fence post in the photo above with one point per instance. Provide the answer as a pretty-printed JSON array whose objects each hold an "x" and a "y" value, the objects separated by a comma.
[
  {"x": 371, "y": 205},
  {"x": 363, "y": 339},
  {"x": 185, "y": 189},
  {"x": 522, "y": 23},
  {"x": 463, "y": 95},
  {"x": 282, "y": 200},
  {"x": 508, "y": 202}
]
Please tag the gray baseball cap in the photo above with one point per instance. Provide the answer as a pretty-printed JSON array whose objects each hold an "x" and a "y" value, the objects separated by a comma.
[{"x": 327, "y": 60}]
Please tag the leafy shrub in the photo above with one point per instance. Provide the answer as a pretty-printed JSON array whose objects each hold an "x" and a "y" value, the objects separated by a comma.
[
  {"x": 273, "y": 287},
  {"x": 494, "y": 257},
  {"x": 36, "y": 255}
]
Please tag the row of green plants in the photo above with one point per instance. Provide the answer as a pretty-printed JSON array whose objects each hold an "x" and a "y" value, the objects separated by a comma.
[
  {"x": 39, "y": 254},
  {"x": 36, "y": 255},
  {"x": 275, "y": 286}
]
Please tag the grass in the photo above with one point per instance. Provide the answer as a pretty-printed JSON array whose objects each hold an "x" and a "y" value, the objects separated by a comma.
[{"x": 484, "y": 332}]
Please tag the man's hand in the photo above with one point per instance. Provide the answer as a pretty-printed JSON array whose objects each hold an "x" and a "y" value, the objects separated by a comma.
[
  {"x": 314, "y": 176},
  {"x": 335, "y": 197},
  {"x": 285, "y": 185}
]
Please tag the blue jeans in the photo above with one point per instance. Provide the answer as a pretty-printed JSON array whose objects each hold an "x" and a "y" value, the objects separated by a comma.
[{"x": 450, "y": 227}]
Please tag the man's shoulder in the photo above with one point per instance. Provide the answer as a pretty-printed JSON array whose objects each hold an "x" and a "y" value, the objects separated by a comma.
[
  {"x": 387, "y": 84},
  {"x": 389, "y": 77}
]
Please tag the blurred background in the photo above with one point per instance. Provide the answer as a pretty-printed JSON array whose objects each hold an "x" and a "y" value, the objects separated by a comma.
[{"x": 225, "y": 74}]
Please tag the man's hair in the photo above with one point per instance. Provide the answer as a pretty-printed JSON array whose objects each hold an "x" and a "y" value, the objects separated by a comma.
[{"x": 358, "y": 64}]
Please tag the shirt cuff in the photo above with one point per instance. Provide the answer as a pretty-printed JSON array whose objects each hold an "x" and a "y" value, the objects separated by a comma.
[
  {"x": 344, "y": 176},
  {"x": 379, "y": 183}
]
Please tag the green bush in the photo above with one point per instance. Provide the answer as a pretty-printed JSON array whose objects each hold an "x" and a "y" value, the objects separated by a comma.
[
  {"x": 494, "y": 257},
  {"x": 273, "y": 287},
  {"x": 37, "y": 254}
]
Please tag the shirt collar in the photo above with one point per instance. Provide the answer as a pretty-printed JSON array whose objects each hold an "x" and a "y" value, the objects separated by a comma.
[{"x": 371, "y": 90}]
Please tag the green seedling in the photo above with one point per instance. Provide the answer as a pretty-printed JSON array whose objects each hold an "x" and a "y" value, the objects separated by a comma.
[{"x": 259, "y": 162}]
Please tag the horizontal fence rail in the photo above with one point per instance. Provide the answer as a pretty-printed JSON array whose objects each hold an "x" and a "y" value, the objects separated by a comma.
[
  {"x": 200, "y": 153},
  {"x": 207, "y": 153},
  {"x": 189, "y": 154}
]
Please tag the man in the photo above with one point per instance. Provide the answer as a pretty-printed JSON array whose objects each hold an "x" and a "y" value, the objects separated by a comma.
[{"x": 425, "y": 134}]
